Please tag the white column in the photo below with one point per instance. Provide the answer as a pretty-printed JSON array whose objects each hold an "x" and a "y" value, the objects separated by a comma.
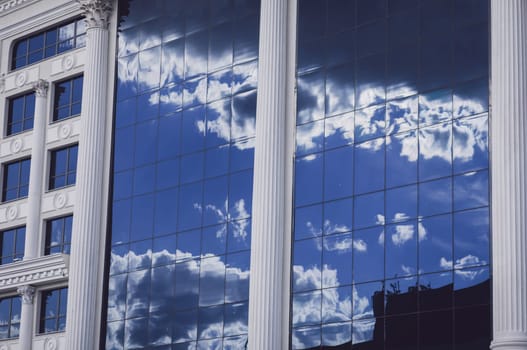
[
  {"x": 83, "y": 309},
  {"x": 267, "y": 247},
  {"x": 26, "y": 318},
  {"x": 36, "y": 174},
  {"x": 509, "y": 172}
]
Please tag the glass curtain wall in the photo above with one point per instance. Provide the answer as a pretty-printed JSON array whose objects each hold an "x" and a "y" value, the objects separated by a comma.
[
  {"x": 182, "y": 174},
  {"x": 391, "y": 203}
]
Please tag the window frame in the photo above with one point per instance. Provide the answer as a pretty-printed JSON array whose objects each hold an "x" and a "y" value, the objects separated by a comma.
[
  {"x": 5, "y": 173},
  {"x": 10, "y": 324},
  {"x": 63, "y": 244},
  {"x": 71, "y": 81},
  {"x": 9, "y": 120},
  {"x": 15, "y": 256},
  {"x": 78, "y": 40},
  {"x": 58, "y": 314},
  {"x": 53, "y": 165}
]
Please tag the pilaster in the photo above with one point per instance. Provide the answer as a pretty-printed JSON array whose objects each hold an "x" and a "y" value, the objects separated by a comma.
[
  {"x": 27, "y": 293},
  {"x": 37, "y": 172},
  {"x": 83, "y": 308},
  {"x": 267, "y": 247},
  {"x": 509, "y": 169}
]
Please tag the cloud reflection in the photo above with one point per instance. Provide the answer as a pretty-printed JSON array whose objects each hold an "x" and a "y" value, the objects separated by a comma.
[{"x": 210, "y": 270}]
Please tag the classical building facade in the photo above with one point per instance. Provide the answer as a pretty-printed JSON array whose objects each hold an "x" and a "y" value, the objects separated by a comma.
[{"x": 263, "y": 174}]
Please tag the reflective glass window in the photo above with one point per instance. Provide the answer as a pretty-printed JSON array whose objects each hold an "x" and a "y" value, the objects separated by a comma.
[
  {"x": 20, "y": 113},
  {"x": 10, "y": 310},
  {"x": 12, "y": 245},
  {"x": 182, "y": 175},
  {"x": 391, "y": 180},
  {"x": 68, "y": 98},
  {"x": 16, "y": 179},
  {"x": 63, "y": 167},
  {"x": 58, "y": 235},
  {"x": 48, "y": 43},
  {"x": 53, "y": 307}
]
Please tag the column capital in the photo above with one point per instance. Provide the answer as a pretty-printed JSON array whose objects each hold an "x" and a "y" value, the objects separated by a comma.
[
  {"x": 27, "y": 293},
  {"x": 41, "y": 87},
  {"x": 97, "y": 12}
]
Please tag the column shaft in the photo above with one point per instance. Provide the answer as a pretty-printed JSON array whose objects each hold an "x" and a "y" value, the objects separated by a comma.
[
  {"x": 83, "y": 309},
  {"x": 267, "y": 247},
  {"x": 26, "y": 318},
  {"x": 509, "y": 169},
  {"x": 36, "y": 175}
]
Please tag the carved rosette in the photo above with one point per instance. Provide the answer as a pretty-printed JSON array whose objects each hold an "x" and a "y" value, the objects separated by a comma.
[
  {"x": 41, "y": 87},
  {"x": 27, "y": 293},
  {"x": 96, "y": 12}
]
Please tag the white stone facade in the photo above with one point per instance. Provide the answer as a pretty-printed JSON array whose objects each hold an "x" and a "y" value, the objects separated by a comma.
[{"x": 38, "y": 272}]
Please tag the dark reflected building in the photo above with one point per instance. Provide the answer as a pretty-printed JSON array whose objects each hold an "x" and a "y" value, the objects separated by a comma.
[{"x": 358, "y": 128}]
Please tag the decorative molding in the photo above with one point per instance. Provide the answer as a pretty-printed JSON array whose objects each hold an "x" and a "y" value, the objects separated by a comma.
[
  {"x": 68, "y": 62},
  {"x": 41, "y": 87},
  {"x": 50, "y": 344},
  {"x": 20, "y": 79},
  {"x": 10, "y": 5},
  {"x": 65, "y": 131},
  {"x": 97, "y": 12},
  {"x": 12, "y": 213},
  {"x": 27, "y": 293},
  {"x": 16, "y": 145},
  {"x": 38, "y": 271},
  {"x": 59, "y": 201},
  {"x": 2, "y": 88}
]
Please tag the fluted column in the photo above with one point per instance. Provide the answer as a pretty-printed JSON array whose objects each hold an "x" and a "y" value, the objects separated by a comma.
[
  {"x": 267, "y": 247},
  {"x": 25, "y": 336},
  {"x": 509, "y": 173},
  {"x": 36, "y": 175},
  {"x": 85, "y": 262}
]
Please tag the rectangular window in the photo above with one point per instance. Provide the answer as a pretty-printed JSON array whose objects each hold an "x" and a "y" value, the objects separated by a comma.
[
  {"x": 10, "y": 309},
  {"x": 68, "y": 98},
  {"x": 58, "y": 235},
  {"x": 53, "y": 310},
  {"x": 63, "y": 167},
  {"x": 20, "y": 113},
  {"x": 48, "y": 43},
  {"x": 12, "y": 245},
  {"x": 16, "y": 179}
]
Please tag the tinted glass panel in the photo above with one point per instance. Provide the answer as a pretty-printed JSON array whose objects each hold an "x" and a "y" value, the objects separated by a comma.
[
  {"x": 391, "y": 193},
  {"x": 182, "y": 176}
]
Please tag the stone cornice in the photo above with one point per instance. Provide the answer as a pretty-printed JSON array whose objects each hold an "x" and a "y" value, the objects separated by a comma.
[
  {"x": 10, "y": 5},
  {"x": 35, "y": 272}
]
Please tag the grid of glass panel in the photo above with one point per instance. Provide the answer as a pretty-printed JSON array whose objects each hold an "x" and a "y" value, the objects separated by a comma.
[
  {"x": 20, "y": 113},
  {"x": 63, "y": 167},
  {"x": 58, "y": 235},
  {"x": 68, "y": 98},
  {"x": 48, "y": 43},
  {"x": 391, "y": 229},
  {"x": 53, "y": 307},
  {"x": 16, "y": 179},
  {"x": 12, "y": 245},
  {"x": 182, "y": 176},
  {"x": 10, "y": 309}
]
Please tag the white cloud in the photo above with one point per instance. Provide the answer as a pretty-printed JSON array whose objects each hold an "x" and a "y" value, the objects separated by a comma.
[
  {"x": 403, "y": 233},
  {"x": 461, "y": 264}
]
